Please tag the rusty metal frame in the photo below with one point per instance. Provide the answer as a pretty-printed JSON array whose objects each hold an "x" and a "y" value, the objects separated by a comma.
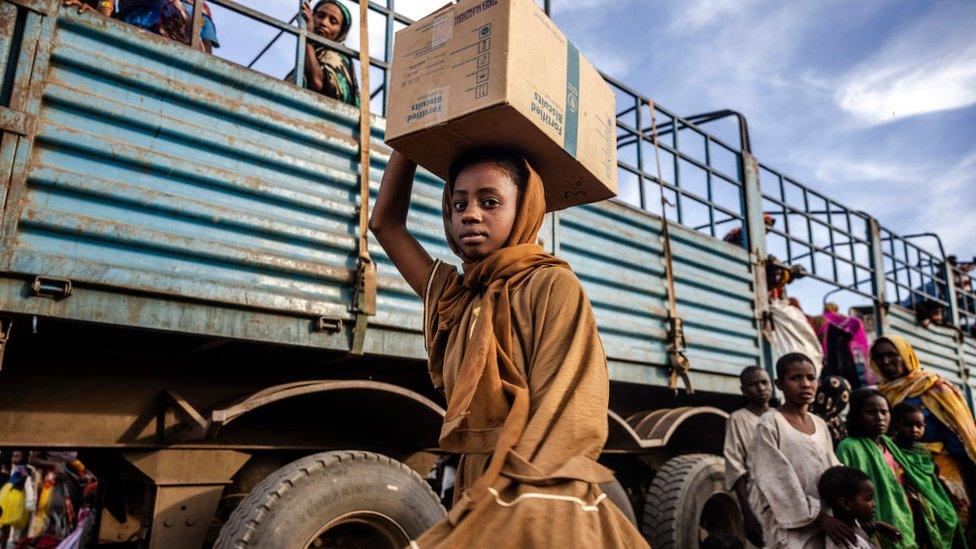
[
  {"x": 32, "y": 64},
  {"x": 224, "y": 416},
  {"x": 656, "y": 428},
  {"x": 43, "y": 7}
]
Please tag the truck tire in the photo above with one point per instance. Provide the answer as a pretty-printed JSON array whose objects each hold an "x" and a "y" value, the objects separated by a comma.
[
  {"x": 687, "y": 502},
  {"x": 615, "y": 492},
  {"x": 351, "y": 499}
]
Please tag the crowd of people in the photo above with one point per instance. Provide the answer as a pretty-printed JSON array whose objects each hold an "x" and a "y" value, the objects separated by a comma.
[
  {"x": 895, "y": 474},
  {"x": 46, "y": 501},
  {"x": 327, "y": 71}
]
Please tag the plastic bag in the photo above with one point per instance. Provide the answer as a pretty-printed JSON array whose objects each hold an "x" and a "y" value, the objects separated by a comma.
[{"x": 30, "y": 494}]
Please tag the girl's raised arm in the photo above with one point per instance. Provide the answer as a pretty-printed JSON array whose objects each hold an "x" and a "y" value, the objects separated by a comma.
[{"x": 389, "y": 223}]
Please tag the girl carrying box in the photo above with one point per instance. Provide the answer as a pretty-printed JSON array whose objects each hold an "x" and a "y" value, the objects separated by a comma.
[{"x": 512, "y": 342}]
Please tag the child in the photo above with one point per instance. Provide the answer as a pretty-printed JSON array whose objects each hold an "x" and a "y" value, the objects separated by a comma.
[
  {"x": 512, "y": 342},
  {"x": 927, "y": 496},
  {"x": 790, "y": 451},
  {"x": 15, "y": 500},
  {"x": 739, "y": 431},
  {"x": 850, "y": 495},
  {"x": 868, "y": 449}
]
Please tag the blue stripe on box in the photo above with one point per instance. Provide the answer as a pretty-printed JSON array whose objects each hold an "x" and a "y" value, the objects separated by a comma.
[{"x": 570, "y": 136}]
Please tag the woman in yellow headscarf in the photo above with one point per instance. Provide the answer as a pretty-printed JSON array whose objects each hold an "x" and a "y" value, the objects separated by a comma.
[{"x": 950, "y": 431}]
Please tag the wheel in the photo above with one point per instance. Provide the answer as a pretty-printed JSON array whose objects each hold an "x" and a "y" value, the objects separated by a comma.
[
  {"x": 348, "y": 499},
  {"x": 616, "y": 493},
  {"x": 687, "y": 502}
]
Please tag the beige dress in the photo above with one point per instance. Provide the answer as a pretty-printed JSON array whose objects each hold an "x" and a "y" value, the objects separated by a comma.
[
  {"x": 740, "y": 429},
  {"x": 785, "y": 466}
]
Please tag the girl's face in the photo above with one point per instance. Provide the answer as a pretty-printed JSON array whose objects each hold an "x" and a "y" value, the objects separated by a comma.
[
  {"x": 888, "y": 360},
  {"x": 873, "y": 417},
  {"x": 328, "y": 21},
  {"x": 483, "y": 207},
  {"x": 798, "y": 383}
]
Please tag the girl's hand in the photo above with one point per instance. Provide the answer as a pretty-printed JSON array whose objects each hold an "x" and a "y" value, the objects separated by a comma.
[
  {"x": 841, "y": 534},
  {"x": 307, "y": 13}
]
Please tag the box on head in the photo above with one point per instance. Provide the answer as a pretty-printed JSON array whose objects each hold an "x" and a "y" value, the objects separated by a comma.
[{"x": 499, "y": 73}]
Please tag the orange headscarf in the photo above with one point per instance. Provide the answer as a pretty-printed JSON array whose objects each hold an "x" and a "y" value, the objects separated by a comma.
[
  {"x": 942, "y": 399},
  {"x": 491, "y": 393}
]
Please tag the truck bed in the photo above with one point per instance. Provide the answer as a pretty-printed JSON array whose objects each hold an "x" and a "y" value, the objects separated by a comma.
[{"x": 179, "y": 192}]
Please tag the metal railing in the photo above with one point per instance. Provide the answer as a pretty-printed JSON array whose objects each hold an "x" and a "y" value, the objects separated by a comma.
[
  {"x": 298, "y": 28},
  {"x": 662, "y": 155},
  {"x": 668, "y": 165},
  {"x": 830, "y": 240},
  {"x": 964, "y": 284}
]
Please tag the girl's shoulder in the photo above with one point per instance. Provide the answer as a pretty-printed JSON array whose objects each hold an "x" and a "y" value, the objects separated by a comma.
[
  {"x": 552, "y": 280},
  {"x": 437, "y": 278}
]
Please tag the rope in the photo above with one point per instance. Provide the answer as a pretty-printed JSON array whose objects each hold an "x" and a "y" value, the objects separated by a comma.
[
  {"x": 364, "y": 298},
  {"x": 678, "y": 363}
]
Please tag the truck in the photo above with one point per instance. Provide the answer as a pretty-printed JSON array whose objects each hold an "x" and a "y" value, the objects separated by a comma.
[{"x": 181, "y": 293}]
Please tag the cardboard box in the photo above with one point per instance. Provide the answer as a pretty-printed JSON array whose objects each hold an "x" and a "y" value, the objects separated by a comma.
[{"x": 499, "y": 72}]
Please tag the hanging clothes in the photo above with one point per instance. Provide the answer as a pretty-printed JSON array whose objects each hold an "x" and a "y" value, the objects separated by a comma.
[
  {"x": 845, "y": 347},
  {"x": 792, "y": 333}
]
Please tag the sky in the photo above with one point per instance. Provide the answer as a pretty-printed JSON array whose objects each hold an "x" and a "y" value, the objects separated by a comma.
[{"x": 872, "y": 103}]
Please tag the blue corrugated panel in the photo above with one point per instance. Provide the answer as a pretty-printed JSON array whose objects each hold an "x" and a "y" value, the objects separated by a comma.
[
  {"x": 160, "y": 169},
  {"x": 617, "y": 253},
  {"x": 935, "y": 345}
]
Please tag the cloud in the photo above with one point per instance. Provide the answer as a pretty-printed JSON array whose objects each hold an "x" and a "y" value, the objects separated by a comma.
[
  {"x": 899, "y": 87},
  {"x": 702, "y": 13},
  {"x": 927, "y": 66}
]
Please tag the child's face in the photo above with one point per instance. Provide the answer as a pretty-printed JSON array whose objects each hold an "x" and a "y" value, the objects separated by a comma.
[
  {"x": 757, "y": 388},
  {"x": 861, "y": 506},
  {"x": 16, "y": 457},
  {"x": 910, "y": 427},
  {"x": 483, "y": 207},
  {"x": 873, "y": 417},
  {"x": 799, "y": 383}
]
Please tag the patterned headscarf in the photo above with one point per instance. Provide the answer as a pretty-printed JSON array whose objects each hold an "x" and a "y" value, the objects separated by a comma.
[
  {"x": 942, "y": 399},
  {"x": 833, "y": 394}
]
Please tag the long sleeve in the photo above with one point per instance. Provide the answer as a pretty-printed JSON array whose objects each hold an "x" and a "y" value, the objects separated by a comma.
[
  {"x": 777, "y": 482},
  {"x": 737, "y": 440}
]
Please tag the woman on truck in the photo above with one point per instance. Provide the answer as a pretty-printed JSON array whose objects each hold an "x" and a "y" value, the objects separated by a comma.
[
  {"x": 950, "y": 432},
  {"x": 512, "y": 342},
  {"x": 328, "y": 71},
  {"x": 170, "y": 18}
]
